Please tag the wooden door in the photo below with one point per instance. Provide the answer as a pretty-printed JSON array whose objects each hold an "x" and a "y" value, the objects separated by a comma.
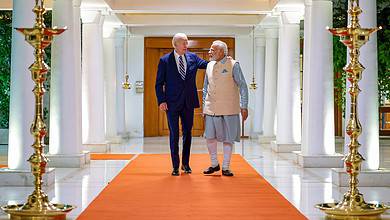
[
  {"x": 155, "y": 121},
  {"x": 384, "y": 122},
  {"x": 198, "y": 127}
]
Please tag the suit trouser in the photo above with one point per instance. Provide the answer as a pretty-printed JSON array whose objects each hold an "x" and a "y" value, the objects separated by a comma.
[{"x": 187, "y": 119}]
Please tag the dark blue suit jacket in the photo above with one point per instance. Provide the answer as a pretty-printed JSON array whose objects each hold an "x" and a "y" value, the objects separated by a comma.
[{"x": 171, "y": 88}]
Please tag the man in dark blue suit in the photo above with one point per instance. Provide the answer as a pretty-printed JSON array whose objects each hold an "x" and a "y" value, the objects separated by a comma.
[{"x": 177, "y": 95}]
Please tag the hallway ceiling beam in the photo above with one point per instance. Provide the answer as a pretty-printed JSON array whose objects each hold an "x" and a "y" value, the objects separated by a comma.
[{"x": 189, "y": 20}]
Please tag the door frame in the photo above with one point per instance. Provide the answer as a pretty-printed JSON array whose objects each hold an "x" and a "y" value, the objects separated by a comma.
[{"x": 156, "y": 43}]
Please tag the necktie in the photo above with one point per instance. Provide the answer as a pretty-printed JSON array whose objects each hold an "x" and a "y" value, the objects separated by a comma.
[{"x": 181, "y": 68}]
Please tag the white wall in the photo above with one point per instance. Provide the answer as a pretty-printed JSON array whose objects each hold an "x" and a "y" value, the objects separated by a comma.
[
  {"x": 110, "y": 87},
  {"x": 244, "y": 54},
  {"x": 134, "y": 107},
  {"x": 259, "y": 93}
]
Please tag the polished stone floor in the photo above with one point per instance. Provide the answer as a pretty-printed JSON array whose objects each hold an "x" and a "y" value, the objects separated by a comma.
[{"x": 302, "y": 187}]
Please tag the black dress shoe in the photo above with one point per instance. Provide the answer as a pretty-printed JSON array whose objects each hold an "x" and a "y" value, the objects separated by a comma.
[
  {"x": 227, "y": 173},
  {"x": 175, "y": 172},
  {"x": 211, "y": 170},
  {"x": 186, "y": 168}
]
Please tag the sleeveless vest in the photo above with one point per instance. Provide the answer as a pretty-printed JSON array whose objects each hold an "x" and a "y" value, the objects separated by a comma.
[{"x": 222, "y": 92}]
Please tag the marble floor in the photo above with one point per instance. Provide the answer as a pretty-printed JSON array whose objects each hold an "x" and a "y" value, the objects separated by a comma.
[{"x": 302, "y": 187}]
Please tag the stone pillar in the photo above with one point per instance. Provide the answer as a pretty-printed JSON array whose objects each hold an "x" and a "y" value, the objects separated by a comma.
[
  {"x": 288, "y": 135},
  {"x": 21, "y": 98},
  {"x": 93, "y": 83},
  {"x": 270, "y": 85},
  {"x": 318, "y": 139},
  {"x": 306, "y": 64},
  {"x": 65, "y": 145}
]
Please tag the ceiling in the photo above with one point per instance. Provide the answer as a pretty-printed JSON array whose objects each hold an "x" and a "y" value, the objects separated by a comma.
[
  {"x": 136, "y": 13},
  {"x": 7, "y": 4},
  {"x": 196, "y": 6},
  {"x": 149, "y": 14}
]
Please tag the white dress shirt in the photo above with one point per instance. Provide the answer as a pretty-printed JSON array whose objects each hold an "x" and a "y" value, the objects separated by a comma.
[{"x": 177, "y": 61}]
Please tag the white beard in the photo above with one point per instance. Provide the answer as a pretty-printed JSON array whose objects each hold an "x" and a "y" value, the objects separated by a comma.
[{"x": 213, "y": 58}]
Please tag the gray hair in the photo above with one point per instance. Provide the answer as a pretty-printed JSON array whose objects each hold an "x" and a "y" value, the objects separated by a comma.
[
  {"x": 221, "y": 45},
  {"x": 177, "y": 37}
]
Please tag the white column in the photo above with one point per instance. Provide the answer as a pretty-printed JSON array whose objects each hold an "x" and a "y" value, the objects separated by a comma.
[
  {"x": 259, "y": 92},
  {"x": 288, "y": 135},
  {"x": 77, "y": 57},
  {"x": 367, "y": 111},
  {"x": 318, "y": 139},
  {"x": 368, "y": 99},
  {"x": 65, "y": 145},
  {"x": 22, "y": 103},
  {"x": 21, "y": 98},
  {"x": 270, "y": 82},
  {"x": 92, "y": 82},
  {"x": 110, "y": 88},
  {"x": 306, "y": 67},
  {"x": 120, "y": 93}
]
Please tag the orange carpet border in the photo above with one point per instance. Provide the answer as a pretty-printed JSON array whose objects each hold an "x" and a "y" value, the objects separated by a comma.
[
  {"x": 144, "y": 190},
  {"x": 95, "y": 156}
]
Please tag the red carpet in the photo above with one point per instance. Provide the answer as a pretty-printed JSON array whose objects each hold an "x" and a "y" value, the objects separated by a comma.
[
  {"x": 144, "y": 190},
  {"x": 111, "y": 156}
]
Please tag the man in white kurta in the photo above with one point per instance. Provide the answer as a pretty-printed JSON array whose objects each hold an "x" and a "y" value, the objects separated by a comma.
[{"x": 223, "y": 86}]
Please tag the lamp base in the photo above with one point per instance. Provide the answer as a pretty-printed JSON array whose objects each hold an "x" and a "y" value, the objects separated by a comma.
[
  {"x": 364, "y": 210},
  {"x": 16, "y": 213}
]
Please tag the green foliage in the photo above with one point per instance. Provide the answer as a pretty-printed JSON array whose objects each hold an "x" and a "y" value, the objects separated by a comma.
[
  {"x": 383, "y": 50},
  {"x": 340, "y": 52},
  {"x": 384, "y": 66},
  {"x": 5, "y": 65},
  {"x": 48, "y": 19},
  {"x": 339, "y": 60}
]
